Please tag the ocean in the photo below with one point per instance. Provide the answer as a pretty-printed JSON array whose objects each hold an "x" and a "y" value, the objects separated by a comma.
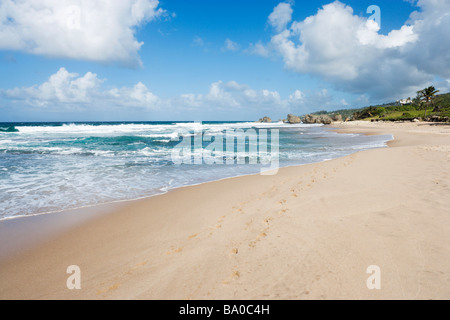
[{"x": 51, "y": 167}]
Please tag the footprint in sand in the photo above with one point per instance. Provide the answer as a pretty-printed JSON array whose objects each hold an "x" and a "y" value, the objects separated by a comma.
[
  {"x": 114, "y": 287},
  {"x": 137, "y": 266},
  {"x": 174, "y": 251},
  {"x": 262, "y": 235},
  {"x": 237, "y": 210},
  {"x": 222, "y": 219},
  {"x": 234, "y": 252},
  {"x": 234, "y": 275},
  {"x": 214, "y": 228},
  {"x": 218, "y": 225},
  {"x": 140, "y": 265},
  {"x": 111, "y": 288}
]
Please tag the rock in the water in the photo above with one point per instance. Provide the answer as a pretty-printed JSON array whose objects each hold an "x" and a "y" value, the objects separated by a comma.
[
  {"x": 265, "y": 120},
  {"x": 293, "y": 119},
  {"x": 309, "y": 119},
  {"x": 321, "y": 119}
]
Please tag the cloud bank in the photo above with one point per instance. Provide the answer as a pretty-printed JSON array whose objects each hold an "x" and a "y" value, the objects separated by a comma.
[
  {"x": 70, "y": 91},
  {"x": 66, "y": 91},
  {"x": 93, "y": 30},
  {"x": 349, "y": 52}
]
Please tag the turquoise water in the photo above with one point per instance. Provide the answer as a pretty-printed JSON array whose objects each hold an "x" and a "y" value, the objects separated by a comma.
[{"x": 49, "y": 167}]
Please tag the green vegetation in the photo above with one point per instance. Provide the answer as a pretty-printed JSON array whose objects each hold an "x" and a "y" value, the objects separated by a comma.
[
  {"x": 345, "y": 113},
  {"x": 427, "y": 95},
  {"x": 426, "y": 106},
  {"x": 442, "y": 105}
]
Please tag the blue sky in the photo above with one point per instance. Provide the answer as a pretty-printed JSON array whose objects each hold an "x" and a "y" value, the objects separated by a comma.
[{"x": 79, "y": 60}]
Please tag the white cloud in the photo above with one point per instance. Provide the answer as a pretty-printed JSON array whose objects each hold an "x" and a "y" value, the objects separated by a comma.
[
  {"x": 221, "y": 97},
  {"x": 348, "y": 50},
  {"x": 62, "y": 87},
  {"x": 231, "y": 45},
  {"x": 297, "y": 96},
  {"x": 65, "y": 90},
  {"x": 234, "y": 98},
  {"x": 431, "y": 52},
  {"x": 232, "y": 95},
  {"x": 281, "y": 16},
  {"x": 137, "y": 96},
  {"x": 258, "y": 49},
  {"x": 369, "y": 36},
  {"x": 93, "y": 30},
  {"x": 198, "y": 42}
]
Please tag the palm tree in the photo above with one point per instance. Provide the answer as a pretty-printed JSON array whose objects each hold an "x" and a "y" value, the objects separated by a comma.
[{"x": 427, "y": 95}]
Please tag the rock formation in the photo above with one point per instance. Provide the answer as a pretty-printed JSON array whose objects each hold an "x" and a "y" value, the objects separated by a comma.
[
  {"x": 293, "y": 119},
  {"x": 320, "y": 119},
  {"x": 265, "y": 120}
]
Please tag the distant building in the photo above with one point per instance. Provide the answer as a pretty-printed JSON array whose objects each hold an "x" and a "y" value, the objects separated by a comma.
[{"x": 405, "y": 101}]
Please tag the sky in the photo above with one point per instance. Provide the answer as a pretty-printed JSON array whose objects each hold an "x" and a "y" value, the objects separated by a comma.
[{"x": 223, "y": 60}]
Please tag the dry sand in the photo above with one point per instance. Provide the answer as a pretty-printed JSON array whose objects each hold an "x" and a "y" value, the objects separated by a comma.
[{"x": 309, "y": 232}]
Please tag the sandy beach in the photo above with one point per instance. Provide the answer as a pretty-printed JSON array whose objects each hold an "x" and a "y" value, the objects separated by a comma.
[{"x": 309, "y": 232}]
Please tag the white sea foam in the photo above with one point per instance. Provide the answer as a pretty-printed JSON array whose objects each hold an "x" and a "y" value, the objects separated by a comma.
[
  {"x": 50, "y": 168},
  {"x": 87, "y": 129}
]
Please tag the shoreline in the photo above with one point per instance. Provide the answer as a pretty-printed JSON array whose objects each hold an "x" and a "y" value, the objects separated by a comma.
[
  {"x": 111, "y": 203},
  {"x": 212, "y": 208},
  {"x": 55, "y": 223}
]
